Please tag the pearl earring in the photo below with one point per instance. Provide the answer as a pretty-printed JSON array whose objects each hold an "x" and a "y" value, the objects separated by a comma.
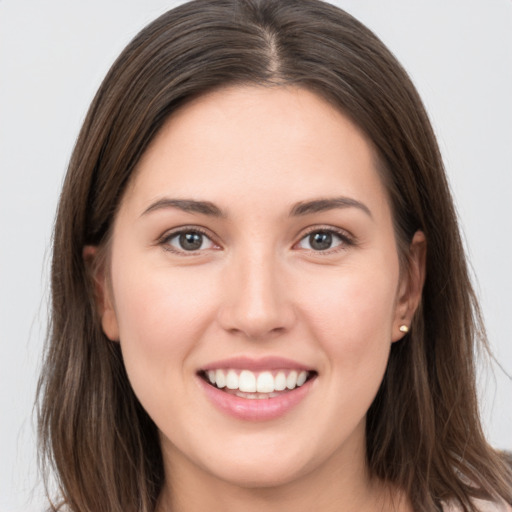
[{"x": 404, "y": 329}]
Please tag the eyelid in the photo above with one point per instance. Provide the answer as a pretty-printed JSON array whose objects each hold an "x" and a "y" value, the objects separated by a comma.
[
  {"x": 163, "y": 240},
  {"x": 346, "y": 237}
]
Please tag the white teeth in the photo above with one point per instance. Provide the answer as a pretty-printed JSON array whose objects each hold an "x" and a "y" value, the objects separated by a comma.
[
  {"x": 232, "y": 380},
  {"x": 265, "y": 383},
  {"x": 291, "y": 380},
  {"x": 247, "y": 381},
  {"x": 261, "y": 385},
  {"x": 220, "y": 379},
  {"x": 301, "y": 378},
  {"x": 280, "y": 382}
]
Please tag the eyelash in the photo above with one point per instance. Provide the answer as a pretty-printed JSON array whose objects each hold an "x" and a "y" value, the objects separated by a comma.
[
  {"x": 164, "y": 241},
  {"x": 347, "y": 240}
]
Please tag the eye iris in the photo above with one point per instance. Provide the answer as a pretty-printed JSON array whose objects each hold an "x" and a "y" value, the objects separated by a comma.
[
  {"x": 191, "y": 241},
  {"x": 320, "y": 240}
]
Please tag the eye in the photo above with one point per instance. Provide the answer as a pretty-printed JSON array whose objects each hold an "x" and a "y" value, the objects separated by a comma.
[
  {"x": 189, "y": 240},
  {"x": 323, "y": 240}
]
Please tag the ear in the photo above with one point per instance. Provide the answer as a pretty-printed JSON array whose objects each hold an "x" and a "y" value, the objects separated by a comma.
[
  {"x": 95, "y": 264},
  {"x": 411, "y": 286}
]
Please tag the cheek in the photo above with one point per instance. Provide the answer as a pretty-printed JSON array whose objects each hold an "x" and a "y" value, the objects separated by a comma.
[
  {"x": 352, "y": 311},
  {"x": 162, "y": 315}
]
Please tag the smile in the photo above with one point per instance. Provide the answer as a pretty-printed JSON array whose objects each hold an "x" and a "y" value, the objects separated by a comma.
[
  {"x": 256, "y": 389},
  {"x": 256, "y": 385}
]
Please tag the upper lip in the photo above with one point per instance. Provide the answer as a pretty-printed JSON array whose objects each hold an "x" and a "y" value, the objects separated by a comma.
[{"x": 257, "y": 364}]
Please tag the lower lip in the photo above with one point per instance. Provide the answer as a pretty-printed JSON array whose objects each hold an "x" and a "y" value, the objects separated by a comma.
[{"x": 263, "y": 409}]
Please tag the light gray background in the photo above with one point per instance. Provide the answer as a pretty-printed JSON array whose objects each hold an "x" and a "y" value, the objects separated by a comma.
[{"x": 53, "y": 55}]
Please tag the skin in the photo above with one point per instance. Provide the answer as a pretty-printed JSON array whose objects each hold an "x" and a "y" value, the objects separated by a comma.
[{"x": 258, "y": 288}]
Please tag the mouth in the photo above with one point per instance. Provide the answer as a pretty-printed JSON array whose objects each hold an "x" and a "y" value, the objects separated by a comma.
[
  {"x": 263, "y": 389},
  {"x": 256, "y": 385}
]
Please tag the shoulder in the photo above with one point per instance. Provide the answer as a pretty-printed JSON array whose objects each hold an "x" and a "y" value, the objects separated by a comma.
[{"x": 481, "y": 505}]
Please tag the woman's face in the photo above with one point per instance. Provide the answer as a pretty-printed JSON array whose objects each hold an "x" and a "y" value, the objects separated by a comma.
[{"x": 254, "y": 248}]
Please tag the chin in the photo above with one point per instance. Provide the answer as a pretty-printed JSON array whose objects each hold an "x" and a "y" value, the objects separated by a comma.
[
  {"x": 261, "y": 469},
  {"x": 269, "y": 476}
]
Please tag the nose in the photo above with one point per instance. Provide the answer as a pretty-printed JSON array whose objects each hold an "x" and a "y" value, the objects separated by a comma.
[{"x": 257, "y": 303}]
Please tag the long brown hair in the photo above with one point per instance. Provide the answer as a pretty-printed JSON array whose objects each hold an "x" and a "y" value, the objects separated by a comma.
[{"x": 423, "y": 428}]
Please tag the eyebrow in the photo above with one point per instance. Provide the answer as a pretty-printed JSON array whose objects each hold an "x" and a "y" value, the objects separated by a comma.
[
  {"x": 187, "y": 205},
  {"x": 322, "y": 205},
  {"x": 299, "y": 209}
]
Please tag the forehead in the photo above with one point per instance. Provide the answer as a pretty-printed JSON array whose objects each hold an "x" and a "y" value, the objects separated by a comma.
[{"x": 274, "y": 143}]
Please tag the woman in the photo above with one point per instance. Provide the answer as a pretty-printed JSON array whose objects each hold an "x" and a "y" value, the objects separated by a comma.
[{"x": 259, "y": 288}]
